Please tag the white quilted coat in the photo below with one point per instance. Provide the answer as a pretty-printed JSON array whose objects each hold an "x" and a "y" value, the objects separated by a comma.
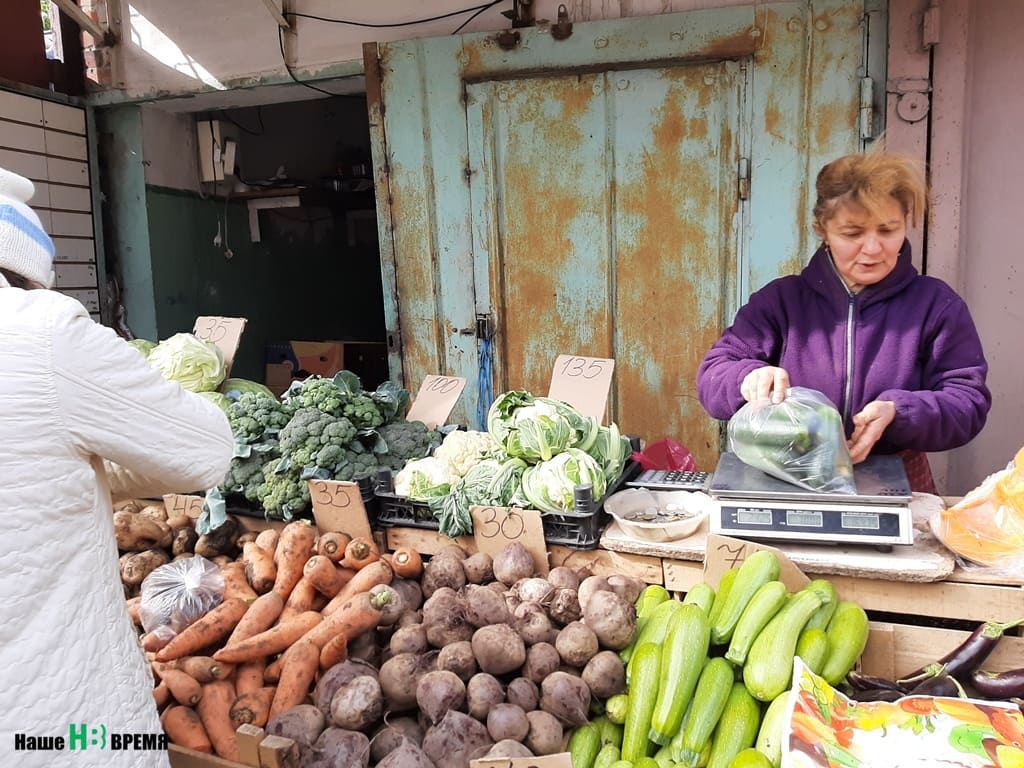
[{"x": 72, "y": 394}]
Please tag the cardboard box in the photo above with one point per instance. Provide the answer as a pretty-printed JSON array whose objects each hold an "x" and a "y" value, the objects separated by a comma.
[
  {"x": 323, "y": 358},
  {"x": 278, "y": 377}
]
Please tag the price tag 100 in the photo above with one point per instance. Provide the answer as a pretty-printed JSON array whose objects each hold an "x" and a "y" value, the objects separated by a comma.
[
  {"x": 184, "y": 504},
  {"x": 436, "y": 398},
  {"x": 338, "y": 506},
  {"x": 583, "y": 383},
  {"x": 723, "y": 553},
  {"x": 495, "y": 527},
  {"x": 224, "y": 332}
]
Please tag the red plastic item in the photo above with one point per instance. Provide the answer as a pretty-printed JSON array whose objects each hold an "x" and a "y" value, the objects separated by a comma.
[{"x": 666, "y": 454}]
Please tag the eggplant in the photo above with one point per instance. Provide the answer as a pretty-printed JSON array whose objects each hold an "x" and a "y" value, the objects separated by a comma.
[
  {"x": 967, "y": 656},
  {"x": 939, "y": 685},
  {"x": 861, "y": 682},
  {"x": 1001, "y": 685},
  {"x": 878, "y": 694}
]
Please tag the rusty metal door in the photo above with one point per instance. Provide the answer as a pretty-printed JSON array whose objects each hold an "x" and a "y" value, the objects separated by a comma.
[{"x": 617, "y": 193}]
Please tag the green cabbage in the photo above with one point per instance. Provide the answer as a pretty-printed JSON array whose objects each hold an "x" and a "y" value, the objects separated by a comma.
[
  {"x": 145, "y": 346},
  {"x": 549, "y": 485},
  {"x": 196, "y": 365},
  {"x": 241, "y": 386},
  {"x": 221, "y": 401}
]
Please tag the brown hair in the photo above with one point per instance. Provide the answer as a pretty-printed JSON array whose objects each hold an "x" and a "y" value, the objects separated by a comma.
[
  {"x": 17, "y": 281},
  {"x": 869, "y": 180}
]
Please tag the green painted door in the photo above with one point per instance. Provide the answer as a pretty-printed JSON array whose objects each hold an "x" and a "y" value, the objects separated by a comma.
[{"x": 615, "y": 194}]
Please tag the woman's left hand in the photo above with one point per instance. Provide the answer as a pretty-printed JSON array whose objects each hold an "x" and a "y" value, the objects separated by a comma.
[{"x": 868, "y": 426}]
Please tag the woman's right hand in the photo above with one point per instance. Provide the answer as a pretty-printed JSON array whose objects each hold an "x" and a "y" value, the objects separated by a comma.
[{"x": 766, "y": 383}]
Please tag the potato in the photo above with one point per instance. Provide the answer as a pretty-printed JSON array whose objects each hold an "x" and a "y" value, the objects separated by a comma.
[
  {"x": 411, "y": 639},
  {"x": 508, "y": 748},
  {"x": 177, "y": 522},
  {"x": 561, "y": 577},
  {"x": 358, "y": 704},
  {"x": 136, "y": 532},
  {"x": 507, "y": 721},
  {"x": 545, "y": 736},
  {"x": 576, "y": 644},
  {"x": 335, "y": 677},
  {"x": 512, "y": 563},
  {"x": 605, "y": 675},
  {"x": 565, "y": 606},
  {"x": 484, "y": 606},
  {"x": 136, "y": 566},
  {"x": 455, "y": 740},
  {"x": 479, "y": 568},
  {"x": 184, "y": 541},
  {"x": 219, "y": 541},
  {"x": 532, "y": 623},
  {"x": 440, "y": 572},
  {"x": 302, "y": 724},
  {"x": 244, "y": 538},
  {"x": 155, "y": 511},
  {"x": 612, "y": 619},
  {"x": 498, "y": 649},
  {"x": 439, "y": 691},
  {"x": 390, "y": 737},
  {"x": 523, "y": 693},
  {"x": 406, "y": 755},
  {"x": 566, "y": 697},
  {"x": 483, "y": 693},
  {"x": 541, "y": 660},
  {"x": 337, "y": 746},
  {"x": 458, "y": 658}
]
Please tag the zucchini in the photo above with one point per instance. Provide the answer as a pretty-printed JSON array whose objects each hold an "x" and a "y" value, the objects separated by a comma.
[
  {"x": 616, "y": 707},
  {"x": 766, "y": 602},
  {"x": 737, "y": 728},
  {"x": 724, "y": 585},
  {"x": 682, "y": 658},
  {"x": 702, "y": 595},
  {"x": 769, "y": 667},
  {"x": 706, "y": 708},
  {"x": 750, "y": 758},
  {"x": 646, "y": 677},
  {"x": 621, "y": 764},
  {"x": 584, "y": 744},
  {"x": 608, "y": 755},
  {"x": 644, "y": 762},
  {"x": 650, "y": 598},
  {"x": 758, "y": 569},
  {"x": 823, "y": 615},
  {"x": 772, "y": 731},
  {"x": 812, "y": 647},
  {"x": 847, "y": 635},
  {"x": 656, "y": 629},
  {"x": 611, "y": 733}
]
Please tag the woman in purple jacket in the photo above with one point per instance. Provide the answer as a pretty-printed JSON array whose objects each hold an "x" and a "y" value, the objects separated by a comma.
[{"x": 895, "y": 351}]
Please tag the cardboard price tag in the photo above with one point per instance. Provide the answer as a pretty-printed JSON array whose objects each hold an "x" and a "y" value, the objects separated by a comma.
[
  {"x": 495, "y": 527},
  {"x": 558, "y": 760},
  {"x": 435, "y": 399},
  {"x": 184, "y": 504},
  {"x": 583, "y": 383},
  {"x": 224, "y": 332},
  {"x": 724, "y": 552},
  {"x": 338, "y": 506}
]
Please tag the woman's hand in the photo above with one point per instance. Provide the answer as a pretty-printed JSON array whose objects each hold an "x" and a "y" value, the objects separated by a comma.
[
  {"x": 765, "y": 383},
  {"x": 868, "y": 426}
]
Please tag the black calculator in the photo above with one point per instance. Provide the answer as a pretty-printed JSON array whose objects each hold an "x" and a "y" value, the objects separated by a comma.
[{"x": 671, "y": 480}]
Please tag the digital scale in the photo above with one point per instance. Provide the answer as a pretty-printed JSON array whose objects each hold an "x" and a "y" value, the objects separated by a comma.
[{"x": 755, "y": 505}]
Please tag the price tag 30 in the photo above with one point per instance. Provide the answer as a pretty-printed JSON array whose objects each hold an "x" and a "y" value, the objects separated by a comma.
[
  {"x": 184, "y": 504},
  {"x": 495, "y": 527},
  {"x": 583, "y": 383},
  {"x": 436, "y": 398},
  {"x": 224, "y": 332},
  {"x": 338, "y": 506},
  {"x": 723, "y": 553}
]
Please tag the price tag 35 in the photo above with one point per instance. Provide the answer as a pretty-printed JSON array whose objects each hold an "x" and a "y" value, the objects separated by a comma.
[
  {"x": 224, "y": 332},
  {"x": 583, "y": 383},
  {"x": 496, "y": 527},
  {"x": 338, "y": 506}
]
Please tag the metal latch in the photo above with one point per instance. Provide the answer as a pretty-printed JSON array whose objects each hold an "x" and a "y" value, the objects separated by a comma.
[
  {"x": 562, "y": 28},
  {"x": 484, "y": 326}
]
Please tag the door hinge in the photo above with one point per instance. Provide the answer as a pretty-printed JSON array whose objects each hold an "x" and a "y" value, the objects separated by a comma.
[
  {"x": 867, "y": 108},
  {"x": 930, "y": 26},
  {"x": 743, "y": 178}
]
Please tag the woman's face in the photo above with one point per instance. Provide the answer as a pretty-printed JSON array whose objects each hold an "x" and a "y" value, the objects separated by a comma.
[{"x": 865, "y": 247}]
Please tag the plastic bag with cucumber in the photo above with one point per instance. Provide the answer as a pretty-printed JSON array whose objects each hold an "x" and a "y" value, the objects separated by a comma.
[{"x": 800, "y": 440}]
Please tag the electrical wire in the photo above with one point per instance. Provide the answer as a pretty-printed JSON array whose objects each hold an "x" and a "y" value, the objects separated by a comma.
[
  {"x": 467, "y": 21},
  {"x": 284, "y": 60},
  {"x": 259, "y": 117},
  {"x": 375, "y": 25}
]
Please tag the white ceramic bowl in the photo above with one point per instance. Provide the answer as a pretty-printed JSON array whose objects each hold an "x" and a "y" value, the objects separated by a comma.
[{"x": 694, "y": 504}]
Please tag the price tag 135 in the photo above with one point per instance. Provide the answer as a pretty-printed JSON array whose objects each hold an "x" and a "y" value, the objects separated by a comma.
[
  {"x": 723, "y": 553},
  {"x": 495, "y": 527},
  {"x": 338, "y": 506},
  {"x": 224, "y": 332},
  {"x": 183, "y": 504},
  {"x": 435, "y": 399},
  {"x": 583, "y": 383}
]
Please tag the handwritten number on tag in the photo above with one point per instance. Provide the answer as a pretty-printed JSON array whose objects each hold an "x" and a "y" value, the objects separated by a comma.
[
  {"x": 734, "y": 556},
  {"x": 332, "y": 495},
  {"x": 586, "y": 367},
  {"x": 443, "y": 384},
  {"x": 212, "y": 329},
  {"x": 511, "y": 526}
]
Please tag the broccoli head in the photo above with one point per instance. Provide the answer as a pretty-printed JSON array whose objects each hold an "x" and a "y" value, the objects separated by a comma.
[
  {"x": 245, "y": 473},
  {"x": 362, "y": 410},
  {"x": 254, "y": 416},
  {"x": 317, "y": 392},
  {"x": 356, "y": 465},
  {"x": 309, "y": 431},
  {"x": 283, "y": 494},
  {"x": 408, "y": 440}
]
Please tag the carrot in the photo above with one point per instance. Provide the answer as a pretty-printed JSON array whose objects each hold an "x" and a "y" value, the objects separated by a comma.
[
  {"x": 369, "y": 577},
  {"x": 213, "y": 710},
  {"x": 184, "y": 688},
  {"x": 272, "y": 672},
  {"x": 155, "y": 641},
  {"x": 252, "y": 707},
  {"x": 407, "y": 563},
  {"x": 184, "y": 728},
  {"x": 133, "y": 605},
  {"x": 300, "y": 600},
  {"x": 259, "y": 566},
  {"x": 360, "y": 552},
  {"x": 207, "y": 630},
  {"x": 249, "y": 676},
  {"x": 323, "y": 575},
  {"x": 161, "y": 695},
  {"x": 262, "y": 614},
  {"x": 331, "y": 545},
  {"x": 357, "y": 615},
  {"x": 334, "y": 651},
  {"x": 273, "y": 640},
  {"x": 267, "y": 540},
  {"x": 294, "y": 548},
  {"x": 205, "y": 669},
  {"x": 236, "y": 583},
  {"x": 298, "y": 668}
]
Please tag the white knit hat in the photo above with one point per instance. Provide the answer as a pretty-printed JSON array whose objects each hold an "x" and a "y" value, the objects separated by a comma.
[{"x": 25, "y": 248}]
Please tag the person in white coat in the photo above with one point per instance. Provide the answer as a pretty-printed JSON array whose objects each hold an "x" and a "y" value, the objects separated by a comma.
[{"x": 83, "y": 418}]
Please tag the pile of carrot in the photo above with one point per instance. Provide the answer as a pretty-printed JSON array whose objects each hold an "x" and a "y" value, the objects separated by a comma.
[{"x": 292, "y": 604}]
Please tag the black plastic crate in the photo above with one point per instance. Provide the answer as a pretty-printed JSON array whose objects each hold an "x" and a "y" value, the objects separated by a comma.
[
  {"x": 571, "y": 529},
  {"x": 239, "y": 505}
]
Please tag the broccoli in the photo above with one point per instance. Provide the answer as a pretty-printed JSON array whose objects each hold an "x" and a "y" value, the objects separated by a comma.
[
  {"x": 282, "y": 494},
  {"x": 317, "y": 392},
  {"x": 245, "y": 473},
  {"x": 408, "y": 440},
  {"x": 253, "y": 416},
  {"x": 311, "y": 430},
  {"x": 356, "y": 465},
  {"x": 362, "y": 410}
]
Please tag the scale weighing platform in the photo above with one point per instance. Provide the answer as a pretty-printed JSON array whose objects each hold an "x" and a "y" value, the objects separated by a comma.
[{"x": 754, "y": 505}]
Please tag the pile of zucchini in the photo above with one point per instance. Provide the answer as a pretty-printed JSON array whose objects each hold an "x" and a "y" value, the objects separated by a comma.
[{"x": 708, "y": 675}]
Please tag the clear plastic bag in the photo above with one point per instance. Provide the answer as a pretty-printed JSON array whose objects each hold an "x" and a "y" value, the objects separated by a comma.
[
  {"x": 176, "y": 594},
  {"x": 800, "y": 440},
  {"x": 985, "y": 529}
]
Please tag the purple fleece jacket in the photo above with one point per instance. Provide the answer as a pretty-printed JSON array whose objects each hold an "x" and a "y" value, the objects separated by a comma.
[{"x": 912, "y": 341}]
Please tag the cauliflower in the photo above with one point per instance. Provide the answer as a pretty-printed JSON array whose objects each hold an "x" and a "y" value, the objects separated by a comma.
[
  {"x": 253, "y": 416},
  {"x": 425, "y": 479},
  {"x": 461, "y": 450}
]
